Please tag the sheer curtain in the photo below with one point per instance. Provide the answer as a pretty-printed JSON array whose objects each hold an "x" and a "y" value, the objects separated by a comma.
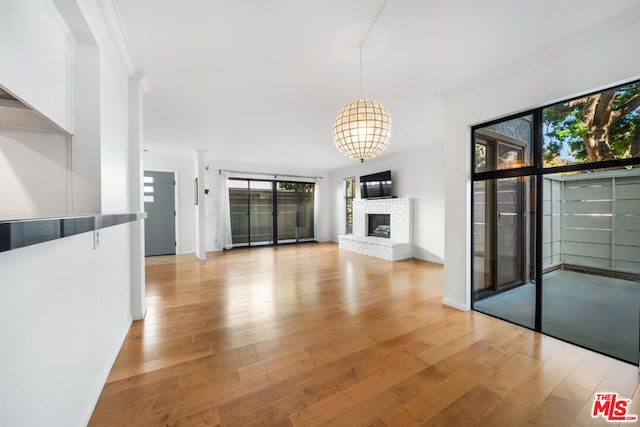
[{"x": 224, "y": 214}]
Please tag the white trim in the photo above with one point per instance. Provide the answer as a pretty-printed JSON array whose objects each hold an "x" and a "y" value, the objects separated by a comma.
[
  {"x": 141, "y": 78},
  {"x": 13, "y": 103},
  {"x": 111, "y": 15},
  {"x": 60, "y": 20},
  {"x": 92, "y": 401},
  {"x": 176, "y": 208},
  {"x": 455, "y": 304}
]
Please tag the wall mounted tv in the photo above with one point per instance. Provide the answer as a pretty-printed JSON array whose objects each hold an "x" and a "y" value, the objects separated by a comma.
[{"x": 377, "y": 185}]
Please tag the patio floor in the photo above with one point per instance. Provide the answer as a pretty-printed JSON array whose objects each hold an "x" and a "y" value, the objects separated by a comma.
[{"x": 596, "y": 312}]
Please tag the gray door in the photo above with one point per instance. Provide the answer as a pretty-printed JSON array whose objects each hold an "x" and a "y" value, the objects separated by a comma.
[{"x": 159, "y": 204}]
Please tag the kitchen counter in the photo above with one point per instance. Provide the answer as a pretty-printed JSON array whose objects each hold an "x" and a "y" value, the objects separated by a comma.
[{"x": 18, "y": 233}]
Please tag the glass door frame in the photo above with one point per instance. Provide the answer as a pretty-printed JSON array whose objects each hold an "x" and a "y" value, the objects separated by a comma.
[{"x": 274, "y": 212}]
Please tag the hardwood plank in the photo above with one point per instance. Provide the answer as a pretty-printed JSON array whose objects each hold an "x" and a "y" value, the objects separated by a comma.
[
  {"x": 468, "y": 408},
  {"x": 310, "y": 335},
  {"x": 512, "y": 410}
]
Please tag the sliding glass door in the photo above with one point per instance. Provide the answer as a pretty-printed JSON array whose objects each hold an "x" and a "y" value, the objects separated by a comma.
[
  {"x": 287, "y": 212},
  {"x": 503, "y": 217},
  {"x": 261, "y": 212},
  {"x": 251, "y": 211},
  {"x": 305, "y": 211},
  {"x": 295, "y": 211},
  {"x": 270, "y": 212}
]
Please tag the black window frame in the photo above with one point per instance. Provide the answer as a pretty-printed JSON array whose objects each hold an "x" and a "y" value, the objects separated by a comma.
[
  {"x": 537, "y": 171},
  {"x": 274, "y": 213}
]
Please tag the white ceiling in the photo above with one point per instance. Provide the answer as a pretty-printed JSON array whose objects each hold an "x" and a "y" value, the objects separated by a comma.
[{"x": 260, "y": 81}]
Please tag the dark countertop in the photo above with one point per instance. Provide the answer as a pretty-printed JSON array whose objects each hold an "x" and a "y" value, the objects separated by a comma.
[{"x": 16, "y": 234}]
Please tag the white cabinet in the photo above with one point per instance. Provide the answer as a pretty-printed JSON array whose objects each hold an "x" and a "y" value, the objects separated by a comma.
[
  {"x": 4, "y": 41},
  {"x": 23, "y": 49},
  {"x": 35, "y": 57},
  {"x": 54, "y": 53}
]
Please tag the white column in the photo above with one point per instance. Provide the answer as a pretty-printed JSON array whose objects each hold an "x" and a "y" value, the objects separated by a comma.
[{"x": 136, "y": 204}]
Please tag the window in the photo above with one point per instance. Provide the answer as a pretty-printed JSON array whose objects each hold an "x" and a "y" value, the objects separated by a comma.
[
  {"x": 595, "y": 128},
  {"x": 556, "y": 220},
  {"x": 504, "y": 145},
  {"x": 349, "y": 195},
  {"x": 148, "y": 189}
]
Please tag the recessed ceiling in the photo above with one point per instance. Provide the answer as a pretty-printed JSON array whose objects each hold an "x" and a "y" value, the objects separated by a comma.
[{"x": 260, "y": 81}]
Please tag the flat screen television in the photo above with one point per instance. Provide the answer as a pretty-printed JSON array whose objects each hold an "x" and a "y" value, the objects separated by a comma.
[{"x": 377, "y": 185}]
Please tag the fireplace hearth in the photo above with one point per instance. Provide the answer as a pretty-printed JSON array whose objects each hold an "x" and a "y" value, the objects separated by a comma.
[
  {"x": 379, "y": 225},
  {"x": 381, "y": 244}
]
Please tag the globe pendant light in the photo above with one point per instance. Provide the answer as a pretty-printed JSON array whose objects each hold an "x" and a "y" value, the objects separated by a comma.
[{"x": 362, "y": 128}]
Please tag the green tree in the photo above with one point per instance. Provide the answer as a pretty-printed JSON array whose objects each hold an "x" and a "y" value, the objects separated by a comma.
[
  {"x": 306, "y": 188},
  {"x": 602, "y": 126}
]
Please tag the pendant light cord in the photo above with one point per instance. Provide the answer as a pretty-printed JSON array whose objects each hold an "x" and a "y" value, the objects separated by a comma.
[{"x": 365, "y": 39}]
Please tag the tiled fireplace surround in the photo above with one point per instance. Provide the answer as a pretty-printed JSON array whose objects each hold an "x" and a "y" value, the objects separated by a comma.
[{"x": 394, "y": 249}]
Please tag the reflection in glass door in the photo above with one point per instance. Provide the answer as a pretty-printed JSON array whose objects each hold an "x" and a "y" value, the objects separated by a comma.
[
  {"x": 504, "y": 284},
  {"x": 261, "y": 212},
  {"x": 287, "y": 213},
  {"x": 251, "y": 211},
  {"x": 306, "y": 195},
  {"x": 504, "y": 221},
  {"x": 295, "y": 211},
  {"x": 509, "y": 233},
  {"x": 239, "y": 211}
]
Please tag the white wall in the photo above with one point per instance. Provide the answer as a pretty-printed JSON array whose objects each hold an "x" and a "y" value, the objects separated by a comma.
[
  {"x": 114, "y": 123},
  {"x": 416, "y": 174},
  {"x": 64, "y": 314},
  {"x": 183, "y": 167},
  {"x": 599, "y": 57},
  {"x": 85, "y": 143},
  {"x": 34, "y": 176}
]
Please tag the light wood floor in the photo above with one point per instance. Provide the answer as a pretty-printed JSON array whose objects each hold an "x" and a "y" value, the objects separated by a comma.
[{"x": 310, "y": 335}]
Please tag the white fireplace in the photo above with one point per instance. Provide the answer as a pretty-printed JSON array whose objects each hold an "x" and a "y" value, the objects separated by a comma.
[{"x": 397, "y": 245}]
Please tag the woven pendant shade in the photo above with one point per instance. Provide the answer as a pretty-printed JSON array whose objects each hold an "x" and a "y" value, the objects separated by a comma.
[{"x": 362, "y": 129}]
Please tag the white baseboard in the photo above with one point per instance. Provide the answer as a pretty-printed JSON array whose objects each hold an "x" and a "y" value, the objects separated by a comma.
[
  {"x": 455, "y": 304},
  {"x": 140, "y": 316},
  {"x": 92, "y": 401}
]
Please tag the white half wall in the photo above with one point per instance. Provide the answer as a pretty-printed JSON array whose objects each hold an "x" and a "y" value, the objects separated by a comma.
[
  {"x": 64, "y": 314},
  {"x": 588, "y": 61}
]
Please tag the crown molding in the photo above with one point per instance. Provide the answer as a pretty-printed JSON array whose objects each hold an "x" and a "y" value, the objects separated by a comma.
[
  {"x": 111, "y": 15},
  {"x": 141, "y": 78},
  {"x": 628, "y": 19},
  {"x": 60, "y": 20}
]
